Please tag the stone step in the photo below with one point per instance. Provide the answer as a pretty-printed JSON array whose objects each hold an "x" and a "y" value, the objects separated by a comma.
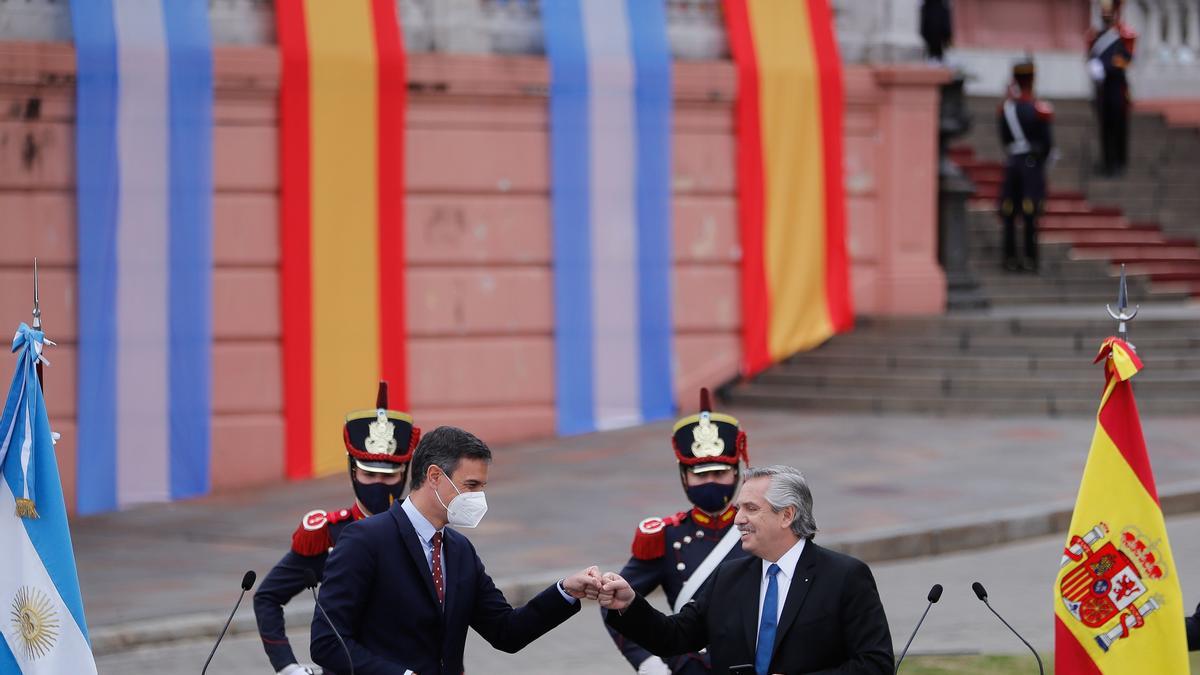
[
  {"x": 1102, "y": 237},
  {"x": 1025, "y": 364},
  {"x": 1160, "y": 318},
  {"x": 1079, "y": 384},
  {"x": 1183, "y": 274},
  {"x": 1049, "y": 345},
  {"x": 867, "y": 402},
  {"x": 1132, "y": 254}
]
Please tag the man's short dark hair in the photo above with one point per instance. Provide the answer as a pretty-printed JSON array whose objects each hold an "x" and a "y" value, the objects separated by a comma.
[{"x": 445, "y": 447}]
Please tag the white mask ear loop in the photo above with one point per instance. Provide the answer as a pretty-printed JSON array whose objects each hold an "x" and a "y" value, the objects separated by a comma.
[{"x": 439, "y": 496}]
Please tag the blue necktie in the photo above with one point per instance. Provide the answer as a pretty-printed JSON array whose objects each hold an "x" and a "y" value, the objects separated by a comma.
[{"x": 768, "y": 623}]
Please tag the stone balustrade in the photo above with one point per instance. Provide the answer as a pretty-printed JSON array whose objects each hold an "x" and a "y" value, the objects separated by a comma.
[{"x": 1167, "y": 61}]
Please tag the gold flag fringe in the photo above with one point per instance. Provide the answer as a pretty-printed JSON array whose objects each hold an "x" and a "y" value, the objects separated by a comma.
[{"x": 25, "y": 508}]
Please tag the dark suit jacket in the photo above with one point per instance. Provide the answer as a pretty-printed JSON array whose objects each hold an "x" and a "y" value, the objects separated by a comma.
[
  {"x": 832, "y": 620},
  {"x": 379, "y": 594},
  {"x": 1191, "y": 625}
]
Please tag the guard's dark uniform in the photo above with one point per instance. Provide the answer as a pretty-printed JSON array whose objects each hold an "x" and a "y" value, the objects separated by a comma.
[
  {"x": 666, "y": 551},
  {"x": 379, "y": 441},
  {"x": 1110, "y": 51},
  {"x": 1026, "y": 131},
  {"x": 311, "y": 543}
]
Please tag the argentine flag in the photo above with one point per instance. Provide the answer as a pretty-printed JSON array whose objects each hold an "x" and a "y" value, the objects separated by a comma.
[{"x": 41, "y": 609}]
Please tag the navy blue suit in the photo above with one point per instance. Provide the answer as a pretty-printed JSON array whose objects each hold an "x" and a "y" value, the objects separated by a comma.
[
  {"x": 831, "y": 622},
  {"x": 318, "y": 532},
  {"x": 379, "y": 593}
]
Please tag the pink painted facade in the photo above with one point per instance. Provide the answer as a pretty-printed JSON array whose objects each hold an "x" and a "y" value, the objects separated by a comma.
[
  {"x": 1033, "y": 25},
  {"x": 479, "y": 263}
]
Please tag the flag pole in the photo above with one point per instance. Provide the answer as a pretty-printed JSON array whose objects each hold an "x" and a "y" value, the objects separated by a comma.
[
  {"x": 1122, "y": 315},
  {"x": 37, "y": 323}
]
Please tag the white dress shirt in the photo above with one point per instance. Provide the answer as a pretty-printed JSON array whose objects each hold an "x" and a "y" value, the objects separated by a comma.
[
  {"x": 425, "y": 531},
  {"x": 783, "y": 580}
]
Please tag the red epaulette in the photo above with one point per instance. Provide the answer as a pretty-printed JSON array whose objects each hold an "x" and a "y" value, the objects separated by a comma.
[
  {"x": 312, "y": 537},
  {"x": 650, "y": 541},
  {"x": 1044, "y": 110}
]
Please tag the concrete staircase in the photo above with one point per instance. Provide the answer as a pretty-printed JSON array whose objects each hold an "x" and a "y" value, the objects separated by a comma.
[
  {"x": 1031, "y": 352},
  {"x": 1148, "y": 219},
  {"x": 1007, "y": 361}
]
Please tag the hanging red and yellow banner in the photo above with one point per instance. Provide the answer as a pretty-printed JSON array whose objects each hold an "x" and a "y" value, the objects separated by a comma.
[
  {"x": 1117, "y": 603},
  {"x": 342, "y": 99},
  {"x": 792, "y": 213}
]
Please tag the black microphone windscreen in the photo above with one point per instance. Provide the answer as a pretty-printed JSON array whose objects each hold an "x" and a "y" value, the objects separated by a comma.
[
  {"x": 979, "y": 591},
  {"x": 935, "y": 593},
  {"x": 248, "y": 580},
  {"x": 310, "y": 579}
]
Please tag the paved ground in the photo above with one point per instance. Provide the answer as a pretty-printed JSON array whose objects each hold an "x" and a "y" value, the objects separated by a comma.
[
  {"x": 885, "y": 488},
  {"x": 563, "y": 504},
  {"x": 1018, "y": 576}
]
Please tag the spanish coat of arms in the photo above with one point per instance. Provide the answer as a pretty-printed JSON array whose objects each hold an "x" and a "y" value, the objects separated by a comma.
[{"x": 1107, "y": 582}]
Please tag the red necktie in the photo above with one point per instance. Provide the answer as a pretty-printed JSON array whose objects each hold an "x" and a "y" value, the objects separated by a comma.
[{"x": 437, "y": 566}]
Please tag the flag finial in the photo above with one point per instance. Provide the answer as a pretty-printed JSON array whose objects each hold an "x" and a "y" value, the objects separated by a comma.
[
  {"x": 1121, "y": 314},
  {"x": 37, "y": 308}
]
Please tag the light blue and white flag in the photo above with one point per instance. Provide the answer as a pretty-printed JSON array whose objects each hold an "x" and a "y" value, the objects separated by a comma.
[
  {"x": 41, "y": 609},
  {"x": 610, "y": 144},
  {"x": 145, "y": 186}
]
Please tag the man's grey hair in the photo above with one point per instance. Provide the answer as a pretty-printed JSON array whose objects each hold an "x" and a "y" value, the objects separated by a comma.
[{"x": 788, "y": 488}]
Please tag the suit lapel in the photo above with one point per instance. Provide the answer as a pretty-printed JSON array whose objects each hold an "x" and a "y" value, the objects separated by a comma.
[
  {"x": 748, "y": 587},
  {"x": 802, "y": 579},
  {"x": 408, "y": 535}
]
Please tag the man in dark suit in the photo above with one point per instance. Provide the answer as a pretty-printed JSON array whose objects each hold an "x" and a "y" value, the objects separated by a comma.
[
  {"x": 401, "y": 588},
  {"x": 793, "y": 607}
]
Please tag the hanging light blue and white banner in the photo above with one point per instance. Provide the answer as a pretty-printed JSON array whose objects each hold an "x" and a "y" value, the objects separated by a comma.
[
  {"x": 610, "y": 137},
  {"x": 144, "y": 172},
  {"x": 44, "y": 628}
]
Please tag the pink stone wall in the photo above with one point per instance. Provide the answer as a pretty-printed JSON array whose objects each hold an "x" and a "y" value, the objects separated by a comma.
[
  {"x": 1179, "y": 112},
  {"x": 1021, "y": 24},
  {"x": 478, "y": 231}
]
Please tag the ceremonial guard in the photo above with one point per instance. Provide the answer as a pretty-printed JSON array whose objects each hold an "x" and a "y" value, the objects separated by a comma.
[
  {"x": 937, "y": 28},
  {"x": 679, "y": 552},
  {"x": 1026, "y": 131},
  {"x": 1110, "y": 50},
  {"x": 379, "y": 446}
]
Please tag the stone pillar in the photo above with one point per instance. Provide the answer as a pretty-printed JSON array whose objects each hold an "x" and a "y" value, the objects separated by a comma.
[
  {"x": 954, "y": 189},
  {"x": 1193, "y": 30},
  {"x": 908, "y": 279},
  {"x": 459, "y": 27},
  {"x": 876, "y": 31}
]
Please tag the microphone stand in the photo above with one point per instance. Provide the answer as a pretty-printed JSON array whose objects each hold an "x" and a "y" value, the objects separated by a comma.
[
  {"x": 910, "y": 637},
  {"x": 1041, "y": 669},
  {"x": 311, "y": 580}
]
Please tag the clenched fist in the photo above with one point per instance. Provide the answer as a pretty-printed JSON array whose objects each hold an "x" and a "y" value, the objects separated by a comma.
[
  {"x": 615, "y": 592},
  {"x": 585, "y": 584}
]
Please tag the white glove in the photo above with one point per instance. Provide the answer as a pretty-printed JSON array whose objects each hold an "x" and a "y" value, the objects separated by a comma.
[
  {"x": 295, "y": 669},
  {"x": 654, "y": 666},
  {"x": 1096, "y": 70}
]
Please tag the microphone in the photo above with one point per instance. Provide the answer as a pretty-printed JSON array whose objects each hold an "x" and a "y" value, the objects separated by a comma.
[
  {"x": 935, "y": 594},
  {"x": 981, "y": 593},
  {"x": 247, "y": 582},
  {"x": 310, "y": 582}
]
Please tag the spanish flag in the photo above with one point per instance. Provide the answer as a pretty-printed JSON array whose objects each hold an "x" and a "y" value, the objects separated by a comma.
[
  {"x": 791, "y": 198},
  {"x": 341, "y": 223},
  {"x": 1117, "y": 603}
]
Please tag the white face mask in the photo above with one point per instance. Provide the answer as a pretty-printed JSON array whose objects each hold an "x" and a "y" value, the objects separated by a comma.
[{"x": 466, "y": 509}]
